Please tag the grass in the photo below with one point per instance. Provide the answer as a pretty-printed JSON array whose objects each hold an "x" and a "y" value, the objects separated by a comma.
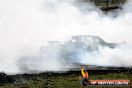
[
  {"x": 64, "y": 80},
  {"x": 106, "y": 3}
]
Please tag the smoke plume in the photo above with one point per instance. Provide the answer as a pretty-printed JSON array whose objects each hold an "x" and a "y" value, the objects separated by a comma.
[{"x": 27, "y": 25}]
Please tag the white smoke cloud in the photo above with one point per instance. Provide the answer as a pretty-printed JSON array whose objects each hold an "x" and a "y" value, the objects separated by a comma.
[
  {"x": 26, "y": 25},
  {"x": 117, "y": 57}
]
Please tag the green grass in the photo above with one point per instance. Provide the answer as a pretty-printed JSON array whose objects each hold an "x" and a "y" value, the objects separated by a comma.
[{"x": 63, "y": 80}]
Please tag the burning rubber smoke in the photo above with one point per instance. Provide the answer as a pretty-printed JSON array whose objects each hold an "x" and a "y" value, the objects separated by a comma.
[{"x": 27, "y": 26}]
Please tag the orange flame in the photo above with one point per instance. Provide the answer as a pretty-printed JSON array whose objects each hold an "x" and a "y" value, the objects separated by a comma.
[{"x": 84, "y": 74}]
